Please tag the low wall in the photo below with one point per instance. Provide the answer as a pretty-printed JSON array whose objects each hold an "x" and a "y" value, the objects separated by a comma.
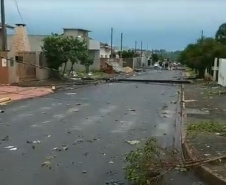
[
  {"x": 4, "y": 68},
  {"x": 222, "y": 72},
  {"x": 128, "y": 62}
]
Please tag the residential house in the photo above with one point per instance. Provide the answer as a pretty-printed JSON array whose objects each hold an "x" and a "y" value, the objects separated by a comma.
[
  {"x": 93, "y": 46},
  {"x": 105, "y": 50},
  {"x": 36, "y": 43}
]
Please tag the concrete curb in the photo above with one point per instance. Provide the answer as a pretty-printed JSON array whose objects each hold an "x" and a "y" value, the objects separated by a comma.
[
  {"x": 203, "y": 172},
  {"x": 5, "y": 100}
]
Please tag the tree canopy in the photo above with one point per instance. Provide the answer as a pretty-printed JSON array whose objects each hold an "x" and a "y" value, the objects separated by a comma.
[
  {"x": 201, "y": 54},
  {"x": 60, "y": 49},
  {"x": 128, "y": 54},
  {"x": 155, "y": 57},
  {"x": 221, "y": 34}
]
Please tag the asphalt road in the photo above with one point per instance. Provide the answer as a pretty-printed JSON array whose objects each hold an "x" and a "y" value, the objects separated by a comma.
[{"x": 92, "y": 125}]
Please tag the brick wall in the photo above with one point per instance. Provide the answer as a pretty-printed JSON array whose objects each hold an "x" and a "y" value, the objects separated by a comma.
[{"x": 20, "y": 39}]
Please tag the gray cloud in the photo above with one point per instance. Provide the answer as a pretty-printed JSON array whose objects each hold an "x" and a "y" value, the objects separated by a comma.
[{"x": 155, "y": 21}]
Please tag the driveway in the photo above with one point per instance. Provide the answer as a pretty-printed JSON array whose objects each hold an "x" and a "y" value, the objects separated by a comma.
[{"x": 80, "y": 135}]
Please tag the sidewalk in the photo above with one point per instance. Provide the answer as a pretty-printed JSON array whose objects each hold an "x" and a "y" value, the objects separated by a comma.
[
  {"x": 206, "y": 128},
  {"x": 12, "y": 93}
]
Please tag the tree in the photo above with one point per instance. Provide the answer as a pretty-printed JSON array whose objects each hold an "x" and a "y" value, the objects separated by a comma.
[
  {"x": 201, "y": 54},
  {"x": 155, "y": 57},
  {"x": 86, "y": 61},
  {"x": 221, "y": 34},
  {"x": 128, "y": 54},
  {"x": 60, "y": 49}
]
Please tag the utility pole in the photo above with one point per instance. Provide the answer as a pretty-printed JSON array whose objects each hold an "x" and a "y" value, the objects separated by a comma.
[
  {"x": 4, "y": 39},
  {"x": 135, "y": 46},
  {"x": 202, "y": 36},
  {"x": 121, "y": 43},
  {"x": 141, "y": 48},
  {"x": 111, "y": 42}
]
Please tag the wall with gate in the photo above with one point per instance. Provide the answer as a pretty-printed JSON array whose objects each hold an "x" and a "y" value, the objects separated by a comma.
[{"x": 26, "y": 68}]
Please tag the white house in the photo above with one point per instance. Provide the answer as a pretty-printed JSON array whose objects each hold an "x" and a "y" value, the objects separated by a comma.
[{"x": 105, "y": 50}]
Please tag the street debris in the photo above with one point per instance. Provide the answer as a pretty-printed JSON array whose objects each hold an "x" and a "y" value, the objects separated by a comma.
[
  {"x": 13, "y": 149},
  {"x": 207, "y": 155},
  {"x": 133, "y": 110},
  {"x": 46, "y": 163},
  {"x": 111, "y": 162},
  {"x": 49, "y": 136},
  {"x": 53, "y": 88},
  {"x": 33, "y": 142},
  {"x": 2, "y": 111},
  {"x": 113, "y": 182},
  {"x": 70, "y": 93},
  {"x": 36, "y": 142},
  {"x": 78, "y": 141},
  {"x": 8, "y": 147},
  {"x": 84, "y": 171},
  {"x": 151, "y": 162},
  {"x": 62, "y": 148},
  {"x": 6, "y": 138},
  {"x": 134, "y": 142},
  {"x": 188, "y": 101},
  {"x": 78, "y": 103},
  {"x": 173, "y": 102}
]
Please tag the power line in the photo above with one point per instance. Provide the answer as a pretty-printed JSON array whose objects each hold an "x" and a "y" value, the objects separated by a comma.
[{"x": 18, "y": 10}]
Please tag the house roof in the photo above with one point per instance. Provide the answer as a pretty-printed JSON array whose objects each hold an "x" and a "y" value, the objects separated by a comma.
[
  {"x": 104, "y": 45},
  {"x": 7, "y": 26},
  {"x": 79, "y": 29}
]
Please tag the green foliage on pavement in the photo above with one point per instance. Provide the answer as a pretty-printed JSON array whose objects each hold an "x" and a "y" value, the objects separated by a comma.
[
  {"x": 207, "y": 126},
  {"x": 140, "y": 162},
  {"x": 59, "y": 49}
]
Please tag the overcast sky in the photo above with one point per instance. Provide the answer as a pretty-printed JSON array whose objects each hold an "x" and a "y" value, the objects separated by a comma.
[{"x": 166, "y": 24}]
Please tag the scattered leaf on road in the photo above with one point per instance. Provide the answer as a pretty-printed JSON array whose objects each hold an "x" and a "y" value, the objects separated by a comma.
[
  {"x": 134, "y": 142},
  {"x": 46, "y": 163},
  {"x": 133, "y": 110},
  {"x": 8, "y": 147},
  {"x": 111, "y": 162},
  {"x": 6, "y": 138},
  {"x": 13, "y": 149}
]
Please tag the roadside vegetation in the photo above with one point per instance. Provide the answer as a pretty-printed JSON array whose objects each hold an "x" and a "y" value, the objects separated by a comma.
[
  {"x": 200, "y": 55},
  {"x": 60, "y": 49},
  {"x": 208, "y": 126},
  {"x": 148, "y": 164}
]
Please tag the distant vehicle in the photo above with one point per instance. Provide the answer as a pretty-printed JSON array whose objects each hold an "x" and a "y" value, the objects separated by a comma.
[{"x": 157, "y": 66}]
